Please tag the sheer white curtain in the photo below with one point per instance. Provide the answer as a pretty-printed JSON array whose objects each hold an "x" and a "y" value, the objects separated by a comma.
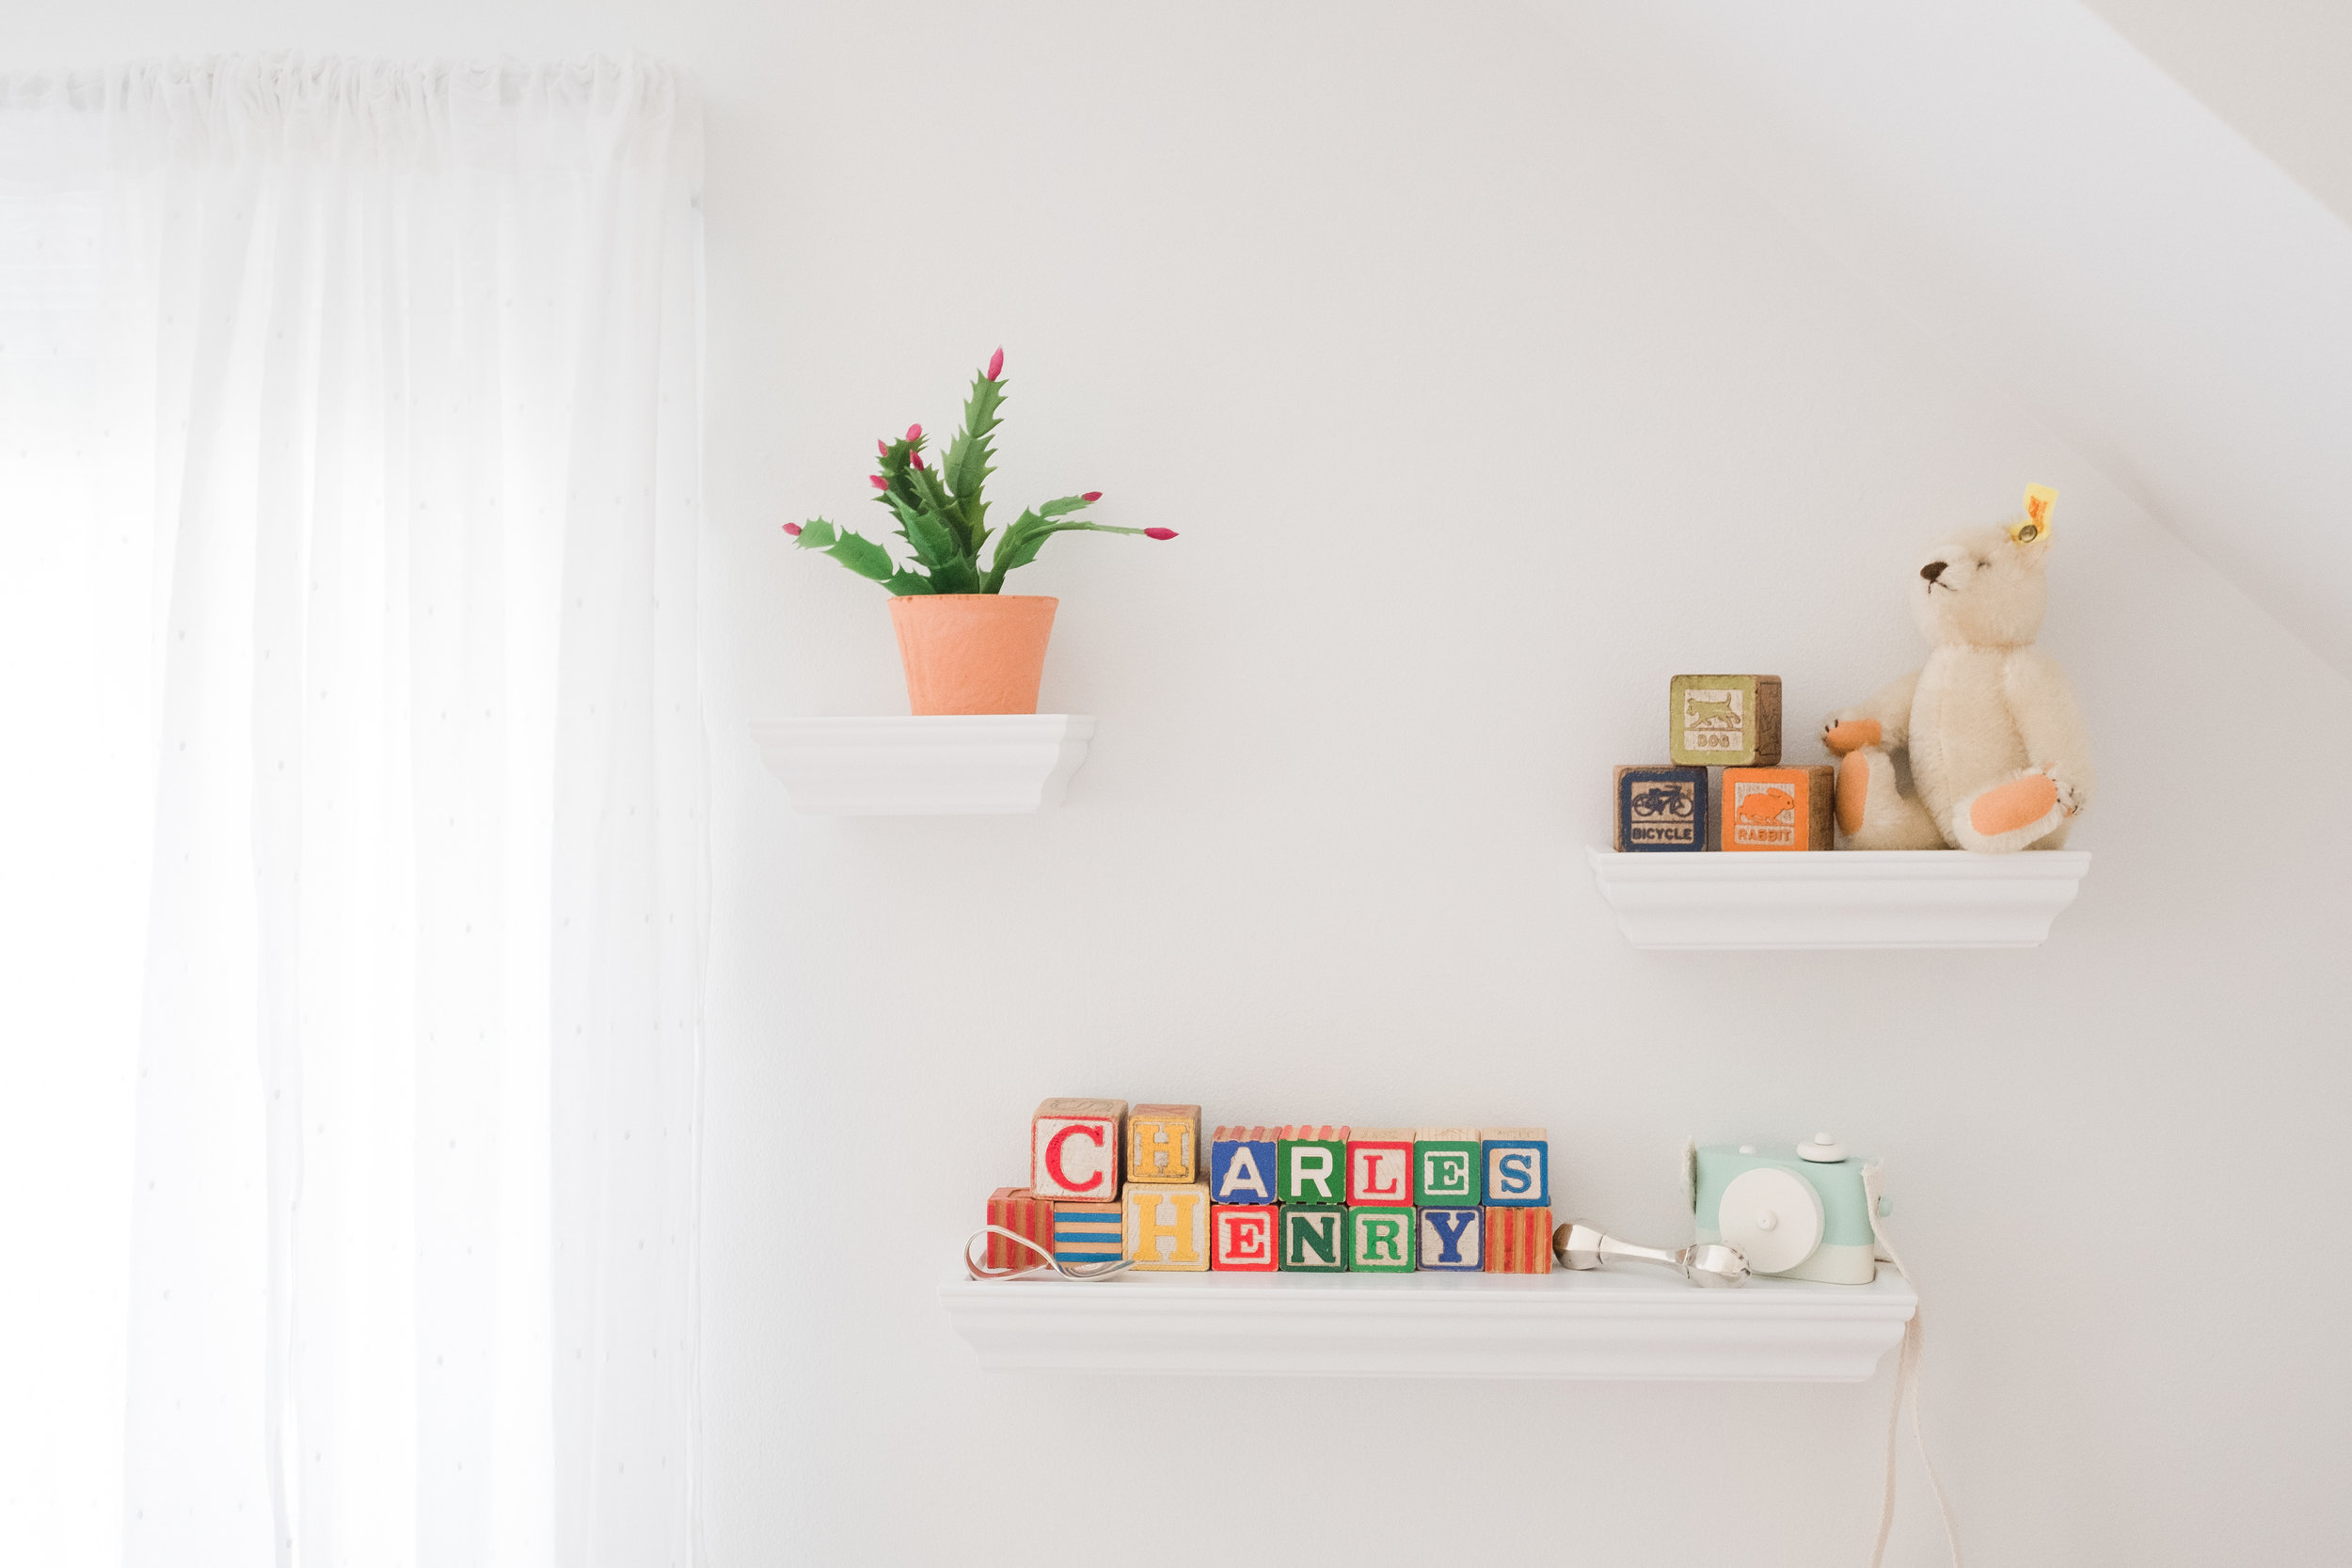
[{"x": 354, "y": 900}]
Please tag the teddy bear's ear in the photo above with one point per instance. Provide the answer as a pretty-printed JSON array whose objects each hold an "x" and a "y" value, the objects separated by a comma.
[{"x": 2034, "y": 526}]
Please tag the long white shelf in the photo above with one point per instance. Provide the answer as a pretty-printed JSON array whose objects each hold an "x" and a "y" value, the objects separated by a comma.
[
  {"x": 959, "y": 765},
  {"x": 1614, "y": 1323},
  {"x": 1839, "y": 899}
]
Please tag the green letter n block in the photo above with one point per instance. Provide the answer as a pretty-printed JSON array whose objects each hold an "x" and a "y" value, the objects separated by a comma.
[
  {"x": 1314, "y": 1240},
  {"x": 1446, "y": 1172},
  {"x": 1380, "y": 1240}
]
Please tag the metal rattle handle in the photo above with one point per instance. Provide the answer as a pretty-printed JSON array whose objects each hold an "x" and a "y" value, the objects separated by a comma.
[{"x": 1581, "y": 1244}]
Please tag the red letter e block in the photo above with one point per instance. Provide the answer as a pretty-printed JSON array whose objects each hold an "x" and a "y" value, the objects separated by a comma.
[
  {"x": 1074, "y": 1149},
  {"x": 1241, "y": 1237}
]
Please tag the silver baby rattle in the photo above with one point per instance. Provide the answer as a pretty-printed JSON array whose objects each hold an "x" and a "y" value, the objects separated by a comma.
[{"x": 1580, "y": 1244}]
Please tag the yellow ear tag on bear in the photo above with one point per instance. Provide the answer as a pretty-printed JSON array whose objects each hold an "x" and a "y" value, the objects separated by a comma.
[{"x": 2037, "y": 519}]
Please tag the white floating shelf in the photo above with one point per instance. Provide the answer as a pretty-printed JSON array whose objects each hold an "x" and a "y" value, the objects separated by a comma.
[
  {"x": 1839, "y": 899},
  {"x": 961, "y": 764},
  {"x": 1621, "y": 1324}
]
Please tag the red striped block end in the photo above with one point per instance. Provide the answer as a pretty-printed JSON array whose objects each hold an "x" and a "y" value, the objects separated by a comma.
[
  {"x": 1518, "y": 1241},
  {"x": 1023, "y": 1212}
]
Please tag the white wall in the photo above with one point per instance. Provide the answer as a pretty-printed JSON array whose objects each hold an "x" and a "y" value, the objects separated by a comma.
[{"x": 1482, "y": 407}]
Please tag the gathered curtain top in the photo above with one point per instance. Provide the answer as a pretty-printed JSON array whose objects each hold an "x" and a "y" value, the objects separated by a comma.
[{"x": 237, "y": 107}]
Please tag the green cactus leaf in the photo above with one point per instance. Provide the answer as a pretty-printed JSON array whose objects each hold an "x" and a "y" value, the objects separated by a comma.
[{"x": 1063, "y": 507}]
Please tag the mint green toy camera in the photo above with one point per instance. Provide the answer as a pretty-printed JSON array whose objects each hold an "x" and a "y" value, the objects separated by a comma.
[{"x": 1799, "y": 1210}]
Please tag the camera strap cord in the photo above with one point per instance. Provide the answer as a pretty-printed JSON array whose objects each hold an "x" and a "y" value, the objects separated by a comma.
[
  {"x": 978, "y": 1269},
  {"x": 1906, "y": 1391}
]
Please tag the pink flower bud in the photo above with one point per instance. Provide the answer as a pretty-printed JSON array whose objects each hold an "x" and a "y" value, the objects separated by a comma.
[
  {"x": 1159, "y": 533},
  {"x": 915, "y": 433},
  {"x": 882, "y": 446},
  {"x": 996, "y": 364},
  {"x": 1092, "y": 495},
  {"x": 915, "y": 458},
  {"x": 792, "y": 529},
  {"x": 878, "y": 482}
]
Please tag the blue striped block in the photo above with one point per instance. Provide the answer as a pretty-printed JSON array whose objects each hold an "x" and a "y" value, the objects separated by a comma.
[{"x": 1087, "y": 1233}]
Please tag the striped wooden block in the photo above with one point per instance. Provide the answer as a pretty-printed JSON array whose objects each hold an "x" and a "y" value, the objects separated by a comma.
[
  {"x": 1380, "y": 1166},
  {"x": 1242, "y": 1237},
  {"x": 1088, "y": 1232},
  {"x": 1167, "y": 1228},
  {"x": 1518, "y": 1241},
  {"x": 1312, "y": 1165},
  {"x": 1164, "y": 1144},
  {"x": 1023, "y": 1212},
  {"x": 1240, "y": 1164}
]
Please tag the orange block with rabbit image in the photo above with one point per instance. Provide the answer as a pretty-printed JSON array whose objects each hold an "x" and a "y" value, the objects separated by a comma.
[{"x": 1778, "y": 808}]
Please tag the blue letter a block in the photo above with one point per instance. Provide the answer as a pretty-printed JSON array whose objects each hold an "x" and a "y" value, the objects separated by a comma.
[{"x": 1453, "y": 1239}]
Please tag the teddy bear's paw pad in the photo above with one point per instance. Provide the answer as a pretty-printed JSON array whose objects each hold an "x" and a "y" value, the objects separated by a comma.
[
  {"x": 2070, "y": 800},
  {"x": 2019, "y": 803},
  {"x": 1853, "y": 790},
  {"x": 1849, "y": 737}
]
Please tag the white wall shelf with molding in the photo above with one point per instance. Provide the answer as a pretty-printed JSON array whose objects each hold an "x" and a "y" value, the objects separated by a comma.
[
  {"x": 957, "y": 764},
  {"x": 1631, "y": 1324},
  {"x": 1838, "y": 898}
]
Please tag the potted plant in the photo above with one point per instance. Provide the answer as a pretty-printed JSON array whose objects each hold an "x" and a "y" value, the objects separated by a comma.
[{"x": 968, "y": 645}]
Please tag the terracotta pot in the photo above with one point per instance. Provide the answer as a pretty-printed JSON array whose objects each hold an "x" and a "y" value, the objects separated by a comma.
[{"x": 972, "y": 652}]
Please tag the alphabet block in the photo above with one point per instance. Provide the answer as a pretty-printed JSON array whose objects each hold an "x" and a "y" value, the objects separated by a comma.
[
  {"x": 1724, "y": 721},
  {"x": 1314, "y": 1240},
  {"x": 1518, "y": 1241},
  {"x": 1167, "y": 1227},
  {"x": 1662, "y": 808},
  {"x": 1446, "y": 1164},
  {"x": 1453, "y": 1239},
  {"x": 1311, "y": 1165},
  {"x": 1240, "y": 1164},
  {"x": 1074, "y": 1149},
  {"x": 1380, "y": 1239},
  {"x": 1089, "y": 1232},
  {"x": 1162, "y": 1143},
  {"x": 1022, "y": 1212},
  {"x": 1779, "y": 808},
  {"x": 1242, "y": 1237},
  {"x": 1380, "y": 1166},
  {"x": 1516, "y": 1166}
]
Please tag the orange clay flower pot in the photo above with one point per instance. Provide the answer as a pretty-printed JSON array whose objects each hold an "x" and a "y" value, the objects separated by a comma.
[{"x": 972, "y": 652}]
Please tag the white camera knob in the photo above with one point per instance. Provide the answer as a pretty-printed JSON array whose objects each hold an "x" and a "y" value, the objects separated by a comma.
[
  {"x": 1822, "y": 1151},
  {"x": 1772, "y": 1215}
]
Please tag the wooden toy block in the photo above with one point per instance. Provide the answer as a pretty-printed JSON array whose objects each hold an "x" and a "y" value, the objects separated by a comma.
[
  {"x": 1446, "y": 1165},
  {"x": 1166, "y": 1225},
  {"x": 1089, "y": 1232},
  {"x": 1314, "y": 1240},
  {"x": 1022, "y": 1212},
  {"x": 1311, "y": 1164},
  {"x": 1242, "y": 1237},
  {"x": 1380, "y": 1239},
  {"x": 1779, "y": 808},
  {"x": 1162, "y": 1143},
  {"x": 1240, "y": 1164},
  {"x": 1662, "y": 808},
  {"x": 1453, "y": 1239},
  {"x": 1074, "y": 1149},
  {"x": 1380, "y": 1166},
  {"x": 1518, "y": 1241},
  {"x": 1516, "y": 1164},
  {"x": 1724, "y": 721}
]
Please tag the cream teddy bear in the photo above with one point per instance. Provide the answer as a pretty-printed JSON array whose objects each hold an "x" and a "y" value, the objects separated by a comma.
[{"x": 1999, "y": 760}]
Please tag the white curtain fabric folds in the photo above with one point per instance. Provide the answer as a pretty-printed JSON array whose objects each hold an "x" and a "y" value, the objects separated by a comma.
[{"x": 348, "y": 521}]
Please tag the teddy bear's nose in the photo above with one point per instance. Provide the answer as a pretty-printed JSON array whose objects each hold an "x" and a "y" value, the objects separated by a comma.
[{"x": 1932, "y": 570}]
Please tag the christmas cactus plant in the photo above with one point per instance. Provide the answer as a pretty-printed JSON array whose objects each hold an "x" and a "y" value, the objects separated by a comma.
[{"x": 940, "y": 514}]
